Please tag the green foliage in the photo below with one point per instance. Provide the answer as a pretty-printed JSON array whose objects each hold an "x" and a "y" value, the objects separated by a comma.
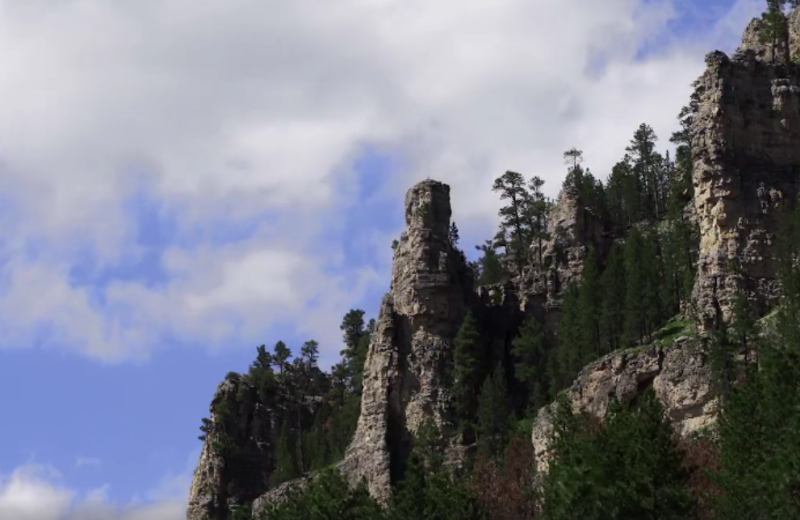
[
  {"x": 530, "y": 350},
  {"x": 327, "y": 497},
  {"x": 628, "y": 468},
  {"x": 759, "y": 473},
  {"x": 494, "y": 414},
  {"x": 287, "y": 467},
  {"x": 488, "y": 268},
  {"x": 523, "y": 218},
  {"x": 466, "y": 354}
]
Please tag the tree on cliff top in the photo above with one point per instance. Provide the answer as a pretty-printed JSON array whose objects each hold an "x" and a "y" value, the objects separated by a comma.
[{"x": 775, "y": 29}]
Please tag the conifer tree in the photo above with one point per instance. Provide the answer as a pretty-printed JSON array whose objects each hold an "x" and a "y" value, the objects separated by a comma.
[
  {"x": 589, "y": 304},
  {"x": 635, "y": 324},
  {"x": 286, "y": 463},
  {"x": 494, "y": 414},
  {"x": 613, "y": 286},
  {"x": 646, "y": 164},
  {"x": 530, "y": 350},
  {"x": 281, "y": 355},
  {"x": 628, "y": 468},
  {"x": 489, "y": 268},
  {"x": 466, "y": 355},
  {"x": 775, "y": 29},
  {"x": 515, "y": 231},
  {"x": 567, "y": 359}
]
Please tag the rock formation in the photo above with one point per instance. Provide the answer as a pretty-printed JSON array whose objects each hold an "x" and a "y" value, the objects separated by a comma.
[
  {"x": 237, "y": 458},
  {"x": 573, "y": 228},
  {"x": 403, "y": 375},
  {"x": 745, "y": 135},
  {"x": 677, "y": 370}
]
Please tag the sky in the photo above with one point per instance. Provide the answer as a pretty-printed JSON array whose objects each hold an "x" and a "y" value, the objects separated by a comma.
[{"x": 183, "y": 181}]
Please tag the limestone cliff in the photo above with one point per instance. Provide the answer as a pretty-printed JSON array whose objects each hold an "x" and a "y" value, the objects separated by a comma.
[
  {"x": 403, "y": 375},
  {"x": 745, "y": 135},
  {"x": 676, "y": 368},
  {"x": 573, "y": 229},
  {"x": 238, "y": 456}
]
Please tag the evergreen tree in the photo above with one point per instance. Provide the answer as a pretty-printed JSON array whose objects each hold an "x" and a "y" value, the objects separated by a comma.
[
  {"x": 356, "y": 341},
  {"x": 628, "y": 468},
  {"x": 537, "y": 210},
  {"x": 563, "y": 366},
  {"x": 489, "y": 269},
  {"x": 453, "y": 235},
  {"x": 466, "y": 355},
  {"x": 327, "y": 497},
  {"x": 515, "y": 231},
  {"x": 287, "y": 466},
  {"x": 613, "y": 286},
  {"x": 775, "y": 28},
  {"x": 494, "y": 414},
  {"x": 646, "y": 164},
  {"x": 635, "y": 323},
  {"x": 530, "y": 350},
  {"x": 281, "y": 355},
  {"x": 589, "y": 304}
]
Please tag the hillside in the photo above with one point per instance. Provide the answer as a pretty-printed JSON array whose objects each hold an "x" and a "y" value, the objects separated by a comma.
[{"x": 639, "y": 285}]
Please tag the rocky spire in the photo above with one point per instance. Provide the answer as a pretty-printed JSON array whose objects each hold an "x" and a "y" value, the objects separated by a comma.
[
  {"x": 745, "y": 131},
  {"x": 406, "y": 362},
  {"x": 238, "y": 456}
]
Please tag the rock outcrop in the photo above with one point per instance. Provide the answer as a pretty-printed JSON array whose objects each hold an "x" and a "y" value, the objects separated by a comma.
[
  {"x": 745, "y": 134},
  {"x": 559, "y": 262},
  {"x": 678, "y": 371},
  {"x": 412, "y": 345},
  {"x": 237, "y": 458}
]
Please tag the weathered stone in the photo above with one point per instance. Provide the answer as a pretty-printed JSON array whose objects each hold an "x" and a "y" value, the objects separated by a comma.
[
  {"x": 406, "y": 362},
  {"x": 680, "y": 376},
  {"x": 223, "y": 482},
  {"x": 745, "y": 134},
  {"x": 560, "y": 259}
]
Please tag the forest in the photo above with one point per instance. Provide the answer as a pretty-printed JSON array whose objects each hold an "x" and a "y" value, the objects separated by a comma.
[{"x": 631, "y": 465}]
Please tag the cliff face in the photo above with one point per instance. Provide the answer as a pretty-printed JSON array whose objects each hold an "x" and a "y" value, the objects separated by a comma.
[
  {"x": 237, "y": 458},
  {"x": 405, "y": 366},
  {"x": 559, "y": 262},
  {"x": 677, "y": 370},
  {"x": 745, "y": 136}
]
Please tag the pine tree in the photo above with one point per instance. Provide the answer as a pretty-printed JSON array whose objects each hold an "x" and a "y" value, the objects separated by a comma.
[
  {"x": 356, "y": 341},
  {"x": 530, "y": 351},
  {"x": 466, "y": 355},
  {"x": 515, "y": 231},
  {"x": 281, "y": 355},
  {"x": 646, "y": 163},
  {"x": 635, "y": 324},
  {"x": 489, "y": 267},
  {"x": 286, "y": 463},
  {"x": 589, "y": 304},
  {"x": 494, "y": 414},
  {"x": 628, "y": 468},
  {"x": 613, "y": 286},
  {"x": 453, "y": 235},
  {"x": 566, "y": 362},
  {"x": 537, "y": 211},
  {"x": 775, "y": 28}
]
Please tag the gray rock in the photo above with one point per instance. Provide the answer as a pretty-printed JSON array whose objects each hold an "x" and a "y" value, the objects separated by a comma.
[
  {"x": 745, "y": 135},
  {"x": 680, "y": 376},
  {"x": 404, "y": 370}
]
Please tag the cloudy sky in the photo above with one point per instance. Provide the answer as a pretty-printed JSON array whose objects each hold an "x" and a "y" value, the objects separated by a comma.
[{"x": 182, "y": 181}]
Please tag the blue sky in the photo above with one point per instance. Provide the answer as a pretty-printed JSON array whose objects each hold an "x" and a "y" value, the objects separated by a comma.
[{"x": 127, "y": 292}]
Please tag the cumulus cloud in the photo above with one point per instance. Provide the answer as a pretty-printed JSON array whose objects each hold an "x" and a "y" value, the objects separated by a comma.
[
  {"x": 36, "y": 492},
  {"x": 241, "y": 111}
]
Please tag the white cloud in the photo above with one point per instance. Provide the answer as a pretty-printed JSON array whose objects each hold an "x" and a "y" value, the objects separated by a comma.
[
  {"x": 36, "y": 492},
  {"x": 236, "y": 108}
]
